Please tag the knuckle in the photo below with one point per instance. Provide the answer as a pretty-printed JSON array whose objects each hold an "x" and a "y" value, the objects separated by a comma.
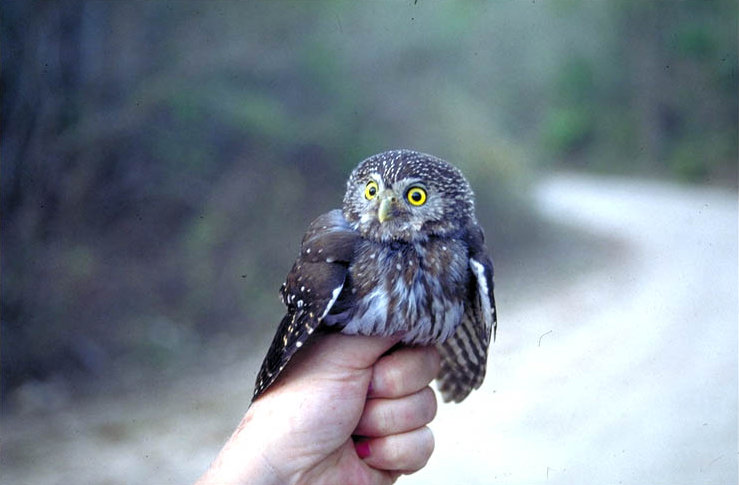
[
  {"x": 419, "y": 454},
  {"x": 408, "y": 452},
  {"x": 392, "y": 379},
  {"x": 427, "y": 444},
  {"x": 430, "y": 404},
  {"x": 434, "y": 360}
]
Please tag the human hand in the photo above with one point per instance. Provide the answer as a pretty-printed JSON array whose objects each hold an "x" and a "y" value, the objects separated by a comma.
[{"x": 341, "y": 412}]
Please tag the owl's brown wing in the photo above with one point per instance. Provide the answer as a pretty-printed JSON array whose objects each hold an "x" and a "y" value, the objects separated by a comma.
[
  {"x": 464, "y": 354},
  {"x": 310, "y": 290}
]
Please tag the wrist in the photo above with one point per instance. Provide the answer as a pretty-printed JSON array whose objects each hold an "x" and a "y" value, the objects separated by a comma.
[{"x": 242, "y": 460}]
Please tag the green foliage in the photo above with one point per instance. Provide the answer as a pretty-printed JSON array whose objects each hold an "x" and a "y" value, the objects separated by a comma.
[
  {"x": 695, "y": 42},
  {"x": 161, "y": 160},
  {"x": 565, "y": 130},
  {"x": 701, "y": 158}
]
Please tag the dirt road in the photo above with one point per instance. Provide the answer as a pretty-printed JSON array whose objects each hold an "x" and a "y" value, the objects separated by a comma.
[
  {"x": 622, "y": 370},
  {"x": 627, "y": 374}
]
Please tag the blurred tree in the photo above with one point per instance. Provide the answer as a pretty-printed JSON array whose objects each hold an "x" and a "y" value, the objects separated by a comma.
[
  {"x": 161, "y": 160},
  {"x": 681, "y": 59}
]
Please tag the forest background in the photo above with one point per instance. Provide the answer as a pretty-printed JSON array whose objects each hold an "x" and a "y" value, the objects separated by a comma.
[{"x": 161, "y": 160}]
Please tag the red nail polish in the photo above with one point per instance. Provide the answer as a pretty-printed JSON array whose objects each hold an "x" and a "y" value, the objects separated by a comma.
[{"x": 363, "y": 449}]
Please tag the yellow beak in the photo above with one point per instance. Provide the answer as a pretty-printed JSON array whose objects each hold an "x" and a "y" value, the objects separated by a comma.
[{"x": 385, "y": 212}]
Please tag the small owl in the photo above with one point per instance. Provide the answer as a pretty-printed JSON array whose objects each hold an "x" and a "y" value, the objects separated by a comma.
[{"x": 404, "y": 256}]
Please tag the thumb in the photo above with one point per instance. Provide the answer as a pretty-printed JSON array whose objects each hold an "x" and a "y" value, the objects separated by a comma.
[
  {"x": 334, "y": 358},
  {"x": 352, "y": 352}
]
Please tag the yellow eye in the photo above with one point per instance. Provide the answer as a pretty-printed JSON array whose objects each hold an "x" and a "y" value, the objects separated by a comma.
[
  {"x": 416, "y": 196},
  {"x": 370, "y": 191}
]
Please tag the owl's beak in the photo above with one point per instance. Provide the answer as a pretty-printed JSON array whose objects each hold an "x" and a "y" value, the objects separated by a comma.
[{"x": 387, "y": 207}]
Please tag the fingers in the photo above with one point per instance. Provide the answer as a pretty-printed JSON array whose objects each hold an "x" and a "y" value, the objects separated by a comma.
[
  {"x": 383, "y": 417},
  {"x": 405, "y": 452},
  {"x": 337, "y": 358},
  {"x": 350, "y": 351},
  {"x": 395, "y": 438},
  {"x": 404, "y": 372}
]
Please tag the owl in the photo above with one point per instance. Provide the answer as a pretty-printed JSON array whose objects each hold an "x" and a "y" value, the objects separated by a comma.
[{"x": 404, "y": 256}]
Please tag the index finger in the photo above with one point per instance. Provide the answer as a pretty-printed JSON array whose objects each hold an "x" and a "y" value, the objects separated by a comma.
[{"x": 404, "y": 372}]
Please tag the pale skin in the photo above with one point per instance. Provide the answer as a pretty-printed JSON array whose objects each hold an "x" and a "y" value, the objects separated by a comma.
[{"x": 341, "y": 412}]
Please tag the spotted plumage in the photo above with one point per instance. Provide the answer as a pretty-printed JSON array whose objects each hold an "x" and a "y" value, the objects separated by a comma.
[{"x": 404, "y": 256}]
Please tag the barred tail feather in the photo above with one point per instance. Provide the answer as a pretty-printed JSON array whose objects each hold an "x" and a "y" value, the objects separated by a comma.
[{"x": 463, "y": 361}]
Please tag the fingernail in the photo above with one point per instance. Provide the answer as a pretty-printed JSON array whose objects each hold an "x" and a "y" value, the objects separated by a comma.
[{"x": 363, "y": 449}]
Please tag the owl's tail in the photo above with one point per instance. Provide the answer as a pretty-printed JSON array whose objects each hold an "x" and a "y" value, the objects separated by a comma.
[{"x": 463, "y": 360}]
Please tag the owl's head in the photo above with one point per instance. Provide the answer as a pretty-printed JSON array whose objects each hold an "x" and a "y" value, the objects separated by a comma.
[{"x": 403, "y": 195}]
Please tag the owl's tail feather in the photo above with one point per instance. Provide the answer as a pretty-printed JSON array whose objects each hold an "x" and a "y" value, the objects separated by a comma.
[{"x": 463, "y": 361}]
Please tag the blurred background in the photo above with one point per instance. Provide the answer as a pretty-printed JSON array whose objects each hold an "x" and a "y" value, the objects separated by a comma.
[{"x": 161, "y": 161}]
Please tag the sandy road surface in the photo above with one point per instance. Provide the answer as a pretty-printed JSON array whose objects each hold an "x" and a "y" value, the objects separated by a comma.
[
  {"x": 627, "y": 374},
  {"x": 623, "y": 371}
]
